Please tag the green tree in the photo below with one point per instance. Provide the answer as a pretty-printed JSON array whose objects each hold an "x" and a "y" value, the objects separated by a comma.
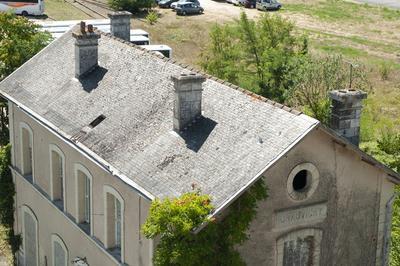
[
  {"x": 316, "y": 76},
  {"x": 175, "y": 221},
  {"x": 131, "y": 5},
  {"x": 256, "y": 55},
  {"x": 20, "y": 39}
]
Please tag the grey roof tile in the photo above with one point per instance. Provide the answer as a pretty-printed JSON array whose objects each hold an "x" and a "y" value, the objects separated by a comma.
[{"x": 238, "y": 136}]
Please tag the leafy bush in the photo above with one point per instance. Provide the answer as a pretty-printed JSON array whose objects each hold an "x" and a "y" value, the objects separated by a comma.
[
  {"x": 4, "y": 132},
  {"x": 175, "y": 220},
  {"x": 152, "y": 17},
  {"x": 5, "y": 247},
  {"x": 131, "y": 5}
]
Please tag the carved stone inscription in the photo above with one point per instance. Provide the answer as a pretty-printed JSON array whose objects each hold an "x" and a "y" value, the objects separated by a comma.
[{"x": 303, "y": 215}]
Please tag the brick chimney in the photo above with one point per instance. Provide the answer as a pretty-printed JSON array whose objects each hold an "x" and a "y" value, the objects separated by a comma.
[
  {"x": 188, "y": 92},
  {"x": 86, "y": 49},
  {"x": 346, "y": 113},
  {"x": 120, "y": 22}
]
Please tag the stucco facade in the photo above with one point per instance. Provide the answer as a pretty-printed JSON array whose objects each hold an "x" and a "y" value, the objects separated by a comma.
[
  {"x": 105, "y": 130},
  {"x": 345, "y": 211},
  {"x": 344, "y": 216},
  {"x": 51, "y": 220}
]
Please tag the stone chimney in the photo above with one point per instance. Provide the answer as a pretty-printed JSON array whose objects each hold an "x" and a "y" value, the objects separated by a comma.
[
  {"x": 120, "y": 22},
  {"x": 346, "y": 113},
  {"x": 187, "y": 105},
  {"x": 86, "y": 49}
]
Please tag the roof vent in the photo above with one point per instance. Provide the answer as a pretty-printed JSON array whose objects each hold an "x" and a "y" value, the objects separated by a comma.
[
  {"x": 86, "y": 49},
  {"x": 97, "y": 121}
]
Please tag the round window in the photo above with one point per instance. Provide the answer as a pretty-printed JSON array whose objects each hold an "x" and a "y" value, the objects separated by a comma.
[{"x": 302, "y": 181}]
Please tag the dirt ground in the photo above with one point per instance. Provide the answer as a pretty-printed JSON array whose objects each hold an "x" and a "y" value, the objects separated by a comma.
[{"x": 375, "y": 37}]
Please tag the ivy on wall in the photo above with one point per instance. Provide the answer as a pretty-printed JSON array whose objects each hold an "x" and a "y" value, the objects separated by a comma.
[
  {"x": 175, "y": 220},
  {"x": 9, "y": 243}
]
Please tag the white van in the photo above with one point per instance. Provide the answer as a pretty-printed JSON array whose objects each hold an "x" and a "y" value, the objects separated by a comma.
[{"x": 23, "y": 7}]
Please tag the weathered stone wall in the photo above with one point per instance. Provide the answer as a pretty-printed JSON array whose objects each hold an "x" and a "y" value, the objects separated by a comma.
[{"x": 336, "y": 225}]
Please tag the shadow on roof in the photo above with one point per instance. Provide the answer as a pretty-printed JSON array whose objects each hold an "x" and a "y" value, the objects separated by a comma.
[
  {"x": 91, "y": 80},
  {"x": 196, "y": 135}
]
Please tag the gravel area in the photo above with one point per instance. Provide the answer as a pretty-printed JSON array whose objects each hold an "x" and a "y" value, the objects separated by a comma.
[{"x": 387, "y": 3}]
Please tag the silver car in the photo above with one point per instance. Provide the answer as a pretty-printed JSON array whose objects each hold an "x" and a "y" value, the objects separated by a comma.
[
  {"x": 188, "y": 8},
  {"x": 268, "y": 5},
  {"x": 175, "y": 4}
]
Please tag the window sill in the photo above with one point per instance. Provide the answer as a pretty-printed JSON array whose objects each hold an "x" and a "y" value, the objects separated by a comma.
[
  {"x": 85, "y": 227},
  {"x": 115, "y": 252}
]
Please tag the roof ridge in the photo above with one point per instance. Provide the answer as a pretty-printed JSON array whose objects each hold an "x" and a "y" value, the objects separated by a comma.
[{"x": 208, "y": 76}]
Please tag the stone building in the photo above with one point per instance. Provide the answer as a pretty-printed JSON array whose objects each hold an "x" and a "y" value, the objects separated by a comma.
[{"x": 100, "y": 127}]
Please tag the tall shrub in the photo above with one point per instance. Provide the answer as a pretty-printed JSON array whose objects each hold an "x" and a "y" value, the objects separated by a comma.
[
  {"x": 176, "y": 221},
  {"x": 256, "y": 55}
]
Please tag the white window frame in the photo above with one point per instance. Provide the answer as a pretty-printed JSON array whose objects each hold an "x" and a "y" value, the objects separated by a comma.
[
  {"x": 28, "y": 210},
  {"x": 110, "y": 190},
  {"x": 79, "y": 167},
  {"x": 56, "y": 149},
  {"x": 23, "y": 125},
  {"x": 57, "y": 238}
]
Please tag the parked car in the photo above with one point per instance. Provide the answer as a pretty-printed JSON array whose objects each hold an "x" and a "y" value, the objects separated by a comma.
[
  {"x": 235, "y": 2},
  {"x": 268, "y": 5},
  {"x": 166, "y": 3},
  {"x": 174, "y": 5},
  {"x": 248, "y": 3},
  {"x": 188, "y": 8}
]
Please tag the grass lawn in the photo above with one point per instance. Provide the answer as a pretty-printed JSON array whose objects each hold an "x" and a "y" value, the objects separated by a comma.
[
  {"x": 334, "y": 10},
  {"x": 63, "y": 10}
]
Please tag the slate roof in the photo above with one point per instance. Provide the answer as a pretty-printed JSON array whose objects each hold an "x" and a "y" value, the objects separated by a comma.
[{"x": 238, "y": 137}]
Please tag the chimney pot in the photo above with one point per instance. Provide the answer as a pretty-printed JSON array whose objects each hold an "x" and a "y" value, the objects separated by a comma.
[
  {"x": 188, "y": 95},
  {"x": 86, "y": 49},
  {"x": 83, "y": 27},
  {"x": 120, "y": 24},
  {"x": 346, "y": 113},
  {"x": 90, "y": 28}
]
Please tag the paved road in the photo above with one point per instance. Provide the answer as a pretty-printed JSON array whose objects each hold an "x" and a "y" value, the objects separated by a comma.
[{"x": 387, "y": 3}]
